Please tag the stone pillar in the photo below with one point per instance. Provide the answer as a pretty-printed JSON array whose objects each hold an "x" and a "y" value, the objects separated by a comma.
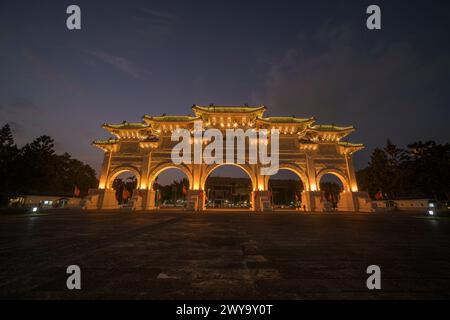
[
  {"x": 197, "y": 175},
  {"x": 306, "y": 200},
  {"x": 261, "y": 201},
  {"x": 351, "y": 173},
  {"x": 195, "y": 200},
  {"x": 145, "y": 168},
  {"x": 148, "y": 199},
  {"x": 313, "y": 200},
  {"x": 104, "y": 172},
  {"x": 311, "y": 172},
  {"x": 107, "y": 199},
  {"x": 346, "y": 202}
]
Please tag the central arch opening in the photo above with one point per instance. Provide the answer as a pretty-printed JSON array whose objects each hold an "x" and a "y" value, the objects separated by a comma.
[
  {"x": 285, "y": 190},
  {"x": 171, "y": 186},
  {"x": 228, "y": 187}
]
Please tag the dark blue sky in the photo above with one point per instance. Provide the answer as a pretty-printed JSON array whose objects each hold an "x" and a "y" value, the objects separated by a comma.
[{"x": 303, "y": 58}]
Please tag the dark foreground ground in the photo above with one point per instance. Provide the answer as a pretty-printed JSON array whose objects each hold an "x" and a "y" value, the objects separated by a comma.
[{"x": 178, "y": 255}]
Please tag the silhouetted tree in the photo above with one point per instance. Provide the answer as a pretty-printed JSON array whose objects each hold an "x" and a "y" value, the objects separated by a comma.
[
  {"x": 36, "y": 169},
  {"x": 173, "y": 191},
  {"x": 422, "y": 170},
  {"x": 8, "y": 156},
  {"x": 119, "y": 184},
  {"x": 428, "y": 169},
  {"x": 331, "y": 192}
]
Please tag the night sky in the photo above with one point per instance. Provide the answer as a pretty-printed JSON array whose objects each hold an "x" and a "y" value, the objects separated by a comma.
[{"x": 302, "y": 58}]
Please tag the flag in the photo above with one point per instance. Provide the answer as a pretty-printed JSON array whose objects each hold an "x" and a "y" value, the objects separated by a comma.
[
  {"x": 125, "y": 194},
  {"x": 184, "y": 190},
  {"x": 379, "y": 195},
  {"x": 76, "y": 192}
]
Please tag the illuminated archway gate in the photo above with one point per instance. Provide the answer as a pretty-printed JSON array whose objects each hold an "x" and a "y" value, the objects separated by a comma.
[{"x": 307, "y": 149}]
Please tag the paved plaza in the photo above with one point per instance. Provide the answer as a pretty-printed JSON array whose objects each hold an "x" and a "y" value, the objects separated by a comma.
[{"x": 223, "y": 255}]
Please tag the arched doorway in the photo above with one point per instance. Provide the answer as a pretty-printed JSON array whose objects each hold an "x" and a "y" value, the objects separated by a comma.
[
  {"x": 125, "y": 184},
  {"x": 285, "y": 190},
  {"x": 332, "y": 183},
  {"x": 228, "y": 186},
  {"x": 170, "y": 186}
]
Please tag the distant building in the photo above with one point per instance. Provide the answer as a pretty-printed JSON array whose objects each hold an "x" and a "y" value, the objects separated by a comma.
[
  {"x": 417, "y": 205},
  {"x": 232, "y": 192},
  {"x": 228, "y": 192},
  {"x": 45, "y": 202}
]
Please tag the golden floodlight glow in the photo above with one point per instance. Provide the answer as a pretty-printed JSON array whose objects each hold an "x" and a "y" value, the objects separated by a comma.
[{"x": 309, "y": 150}]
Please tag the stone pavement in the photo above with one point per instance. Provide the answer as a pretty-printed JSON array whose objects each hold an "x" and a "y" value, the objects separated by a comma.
[{"x": 223, "y": 255}]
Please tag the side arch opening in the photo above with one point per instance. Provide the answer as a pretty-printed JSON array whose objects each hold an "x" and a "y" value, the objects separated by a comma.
[
  {"x": 125, "y": 182},
  {"x": 170, "y": 185},
  {"x": 332, "y": 183}
]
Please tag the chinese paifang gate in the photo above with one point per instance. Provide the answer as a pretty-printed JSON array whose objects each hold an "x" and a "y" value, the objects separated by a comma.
[{"x": 305, "y": 148}]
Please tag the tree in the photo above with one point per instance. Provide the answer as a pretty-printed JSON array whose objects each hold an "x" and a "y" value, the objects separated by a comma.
[
  {"x": 37, "y": 169},
  {"x": 331, "y": 192},
  {"x": 429, "y": 169},
  {"x": 376, "y": 177},
  {"x": 422, "y": 170},
  {"x": 119, "y": 185},
  {"x": 8, "y": 156}
]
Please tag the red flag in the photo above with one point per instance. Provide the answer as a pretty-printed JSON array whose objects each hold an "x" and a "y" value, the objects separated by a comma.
[
  {"x": 125, "y": 194},
  {"x": 184, "y": 189},
  {"x": 76, "y": 192},
  {"x": 379, "y": 195}
]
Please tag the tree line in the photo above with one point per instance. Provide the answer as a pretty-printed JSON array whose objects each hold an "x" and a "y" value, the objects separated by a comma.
[
  {"x": 421, "y": 170},
  {"x": 36, "y": 169}
]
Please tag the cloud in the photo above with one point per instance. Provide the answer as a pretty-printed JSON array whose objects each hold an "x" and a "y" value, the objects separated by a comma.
[
  {"x": 22, "y": 115},
  {"x": 44, "y": 68},
  {"x": 120, "y": 63},
  {"x": 387, "y": 87},
  {"x": 18, "y": 106},
  {"x": 160, "y": 15},
  {"x": 24, "y": 104}
]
